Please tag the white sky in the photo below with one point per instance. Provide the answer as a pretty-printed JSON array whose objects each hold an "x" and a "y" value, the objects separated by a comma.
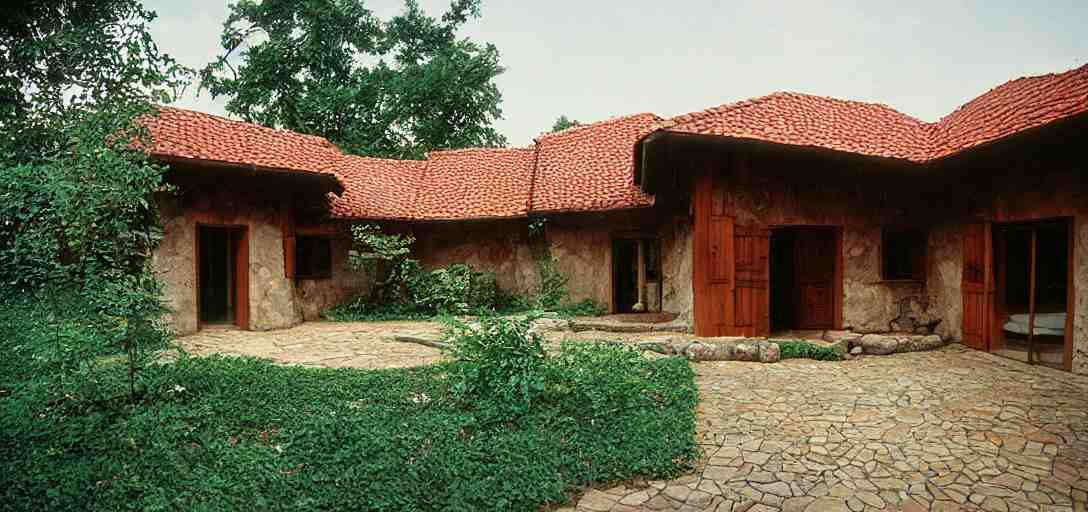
[{"x": 594, "y": 59}]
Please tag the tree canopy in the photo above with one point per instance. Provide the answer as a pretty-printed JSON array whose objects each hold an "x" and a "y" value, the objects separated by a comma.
[
  {"x": 394, "y": 87},
  {"x": 563, "y": 123},
  {"x": 60, "y": 58}
]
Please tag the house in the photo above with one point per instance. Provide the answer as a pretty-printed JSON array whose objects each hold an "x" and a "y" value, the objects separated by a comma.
[{"x": 782, "y": 213}]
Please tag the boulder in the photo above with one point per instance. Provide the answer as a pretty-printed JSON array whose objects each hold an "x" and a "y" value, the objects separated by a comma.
[{"x": 878, "y": 344}]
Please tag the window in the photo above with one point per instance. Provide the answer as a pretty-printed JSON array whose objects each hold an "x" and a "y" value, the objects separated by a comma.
[
  {"x": 903, "y": 255},
  {"x": 313, "y": 257}
]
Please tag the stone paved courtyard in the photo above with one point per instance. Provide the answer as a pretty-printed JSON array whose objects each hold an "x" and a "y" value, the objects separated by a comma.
[
  {"x": 952, "y": 429},
  {"x": 329, "y": 344}
]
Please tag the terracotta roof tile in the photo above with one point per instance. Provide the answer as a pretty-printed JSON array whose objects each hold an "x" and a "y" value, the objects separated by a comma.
[
  {"x": 377, "y": 187},
  {"x": 878, "y": 130},
  {"x": 1016, "y": 106},
  {"x": 591, "y": 167},
  {"x": 476, "y": 183},
  {"x": 193, "y": 135}
]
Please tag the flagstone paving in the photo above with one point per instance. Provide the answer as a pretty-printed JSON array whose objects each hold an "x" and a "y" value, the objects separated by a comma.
[
  {"x": 329, "y": 344},
  {"x": 952, "y": 429}
]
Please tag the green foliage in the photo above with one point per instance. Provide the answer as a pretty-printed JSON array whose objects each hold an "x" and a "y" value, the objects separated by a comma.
[
  {"x": 371, "y": 246},
  {"x": 499, "y": 366},
  {"x": 587, "y": 307},
  {"x": 551, "y": 289},
  {"x": 455, "y": 289},
  {"x": 361, "y": 309},
  {"x": 396, "y": 88},
  {"x": 85, "y": 213},
  {"x": 798, "y": 349},
  {"x": 242, "y": 434},
  {"x": 564, "y": 123},
  {"x": 76, "y": 235},
  {"x": 61, "y": 59}
]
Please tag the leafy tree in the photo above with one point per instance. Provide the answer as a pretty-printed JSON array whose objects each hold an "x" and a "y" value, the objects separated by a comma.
[
  {"x": 394, "y": 88},
  {"x": 77, "y": 217},
  {"x": 564, "y": 123},
  {"x": 59, "y": 58}
]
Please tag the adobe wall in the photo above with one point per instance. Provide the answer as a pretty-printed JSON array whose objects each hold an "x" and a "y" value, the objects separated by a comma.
[
  {"x": 581, "y": 246},
  {"x": 861, "y": 207},
  {"x": 1016, "y": 194},
  {"x": 275, "y": 301}
]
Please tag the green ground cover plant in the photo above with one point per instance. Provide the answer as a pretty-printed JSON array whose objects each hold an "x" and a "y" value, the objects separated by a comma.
[
  {"x": 798, "y": 349},
  {"x": 502, "y": 427}
]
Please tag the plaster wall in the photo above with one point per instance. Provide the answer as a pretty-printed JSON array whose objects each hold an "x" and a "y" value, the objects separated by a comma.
[
  {"x": 275, "y": 301},
  {"x": 581, "y": 247},
  {"x": 861, "y": 209}
]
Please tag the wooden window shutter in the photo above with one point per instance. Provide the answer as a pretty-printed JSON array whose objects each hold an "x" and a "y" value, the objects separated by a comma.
[{"x": 289, "y": 240}]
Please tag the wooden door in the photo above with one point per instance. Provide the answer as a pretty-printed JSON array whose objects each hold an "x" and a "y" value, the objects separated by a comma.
[
  {"x": 815, "y": 259},
  {"x": 751, "y": 297},
  {"x": 731, "y": 268},
  {"x": 713, "y": 262},
  {"x": 975, "y": 285}
]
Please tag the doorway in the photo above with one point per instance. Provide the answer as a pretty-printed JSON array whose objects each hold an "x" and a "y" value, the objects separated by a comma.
[
  {"x": 223, "y": 277},
  {"x": 636, "y": 275},
  {"x": 804, "y": 278},
  {"x": 1031, "y": 265}
]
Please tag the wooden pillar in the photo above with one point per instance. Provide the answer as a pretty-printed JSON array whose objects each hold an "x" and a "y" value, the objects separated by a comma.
[{"x": 641, "y": 305}]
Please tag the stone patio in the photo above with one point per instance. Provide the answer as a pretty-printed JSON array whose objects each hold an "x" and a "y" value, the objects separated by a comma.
[
  {"x": 951, "y": 429},
  {"x": 330, "y": 344}
]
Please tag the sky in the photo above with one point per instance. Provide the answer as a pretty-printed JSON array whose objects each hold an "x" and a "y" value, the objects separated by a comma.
[{"x": 595, "y": 59}]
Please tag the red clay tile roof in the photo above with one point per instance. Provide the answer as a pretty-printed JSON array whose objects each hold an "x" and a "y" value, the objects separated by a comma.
[
  {"x": 591, "y": 167},
  {"x": 378, "y": 188},
  {"x": 877, "y": 130},
  {"x": 476, "y": 183},
  {"x": 178, "y": 133},
  {"x": 805, "y": 120},
  {"x": 1016, "y": 106}
]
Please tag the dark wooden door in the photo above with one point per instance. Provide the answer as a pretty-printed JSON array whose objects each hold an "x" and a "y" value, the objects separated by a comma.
[
  {"x": 815, "y": 273},
  {"x": 975, "y": 284},
  {"x": 713, "y": 262},
  {"x": 751, "y": 297}
]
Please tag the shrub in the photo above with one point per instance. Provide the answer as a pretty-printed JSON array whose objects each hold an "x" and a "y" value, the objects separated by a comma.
[
  {"x": 362, "y": 310},
  {"x": 498, "y": 365},
  {"x": 797, "y": 349},
  {"x": 456, "y": 289}
]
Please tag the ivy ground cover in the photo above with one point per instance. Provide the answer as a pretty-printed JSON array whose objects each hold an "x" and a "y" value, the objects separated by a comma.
[{"x": 222, "y": 433}]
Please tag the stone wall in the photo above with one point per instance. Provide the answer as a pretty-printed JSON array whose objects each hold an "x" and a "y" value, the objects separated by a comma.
[
  {"x": 275, "y": 301},
  {"x": 861, "y": 207},
  {"x": 581, "y": 246}
]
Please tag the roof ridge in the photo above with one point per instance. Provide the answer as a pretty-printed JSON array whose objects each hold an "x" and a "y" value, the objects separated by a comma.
[
  {"x": 249, "y": 123},
  {"x": 475, "y": 150},
  {"x": 595, "y": 124}
]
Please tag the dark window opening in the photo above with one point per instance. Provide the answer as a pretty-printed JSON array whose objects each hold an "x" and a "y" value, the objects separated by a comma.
[
  {"x": 903, "y": 253},
  {"x": 313, "y": 257}
]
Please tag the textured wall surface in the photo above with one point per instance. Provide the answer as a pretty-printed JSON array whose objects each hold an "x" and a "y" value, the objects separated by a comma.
[
  {"x": 862, "y": 208},
  {"x": 677, "y": 258},
  {"x": 274, "y": 300},
  {"x": 580, "y": 246}
]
